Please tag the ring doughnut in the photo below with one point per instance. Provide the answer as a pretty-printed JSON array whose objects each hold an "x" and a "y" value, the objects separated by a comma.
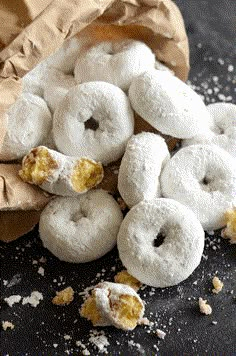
[
  {"x": 81, "y": 229},
  {"x": 168, "y": 104},
  {"x": 28, "y": 124},
  {"x": 202, "y": 177},
  {"x": 114, "y": 62},
  {"x": 222, "y": 132},
  {"x": 65, "y": 57},
  {"x": 57, "y": 86},
  {"x": 138, "y": 178},
  {"x": 165, "y": 263},
  {"x": 113, "y": 304},
  {"x": 59, "y": 174},
  {"x": 109, "y": 108}
]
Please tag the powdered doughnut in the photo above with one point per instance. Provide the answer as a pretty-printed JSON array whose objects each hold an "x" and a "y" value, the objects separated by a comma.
[
  {"x": 109, "y": 108},
  {"x": 168, "y": 104},
  {"x": 81, "y": 229},
  {"x": 64, "y": 59},
  {"x": 59, "y": 174},
  {"x": 202, "y": 177},
  {"x": 114, "y": 62},
  {"x": 34, "y": 81},
  {"x": 138, "y": 179},
  {"x": 28, "y": 124},
  {"x": 113, "y": 304},
  {"x": 222, "y": 132},
  {"x": 146, "y": 257},
  {"x": 57, "y": 86}
]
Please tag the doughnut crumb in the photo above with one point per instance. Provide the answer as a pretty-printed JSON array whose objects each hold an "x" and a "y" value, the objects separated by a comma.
[
  {"x": 125, "y": 278},
  {"x": 86, "y": 174},
  {"x": 204, "y": 307},
  {"x": 7, "y": 325},
  {"x": 37, "y": 166},
  {"x": 230, "y": 231},
  {"x": 64, "y": 297},
  {"x": 217, "y": 284}
]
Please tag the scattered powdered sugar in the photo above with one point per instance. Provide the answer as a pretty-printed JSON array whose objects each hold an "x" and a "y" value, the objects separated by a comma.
[{"x": 99, "y": 339}]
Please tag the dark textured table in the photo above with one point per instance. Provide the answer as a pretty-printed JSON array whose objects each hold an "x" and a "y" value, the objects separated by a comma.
[{"x": 53, "y": 330}]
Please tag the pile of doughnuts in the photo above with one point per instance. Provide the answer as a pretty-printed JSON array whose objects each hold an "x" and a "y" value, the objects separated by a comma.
[{"x": 77, "y": 114}]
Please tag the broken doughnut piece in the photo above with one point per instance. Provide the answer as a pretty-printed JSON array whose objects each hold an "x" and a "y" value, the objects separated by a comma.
[
  {"x": 59, "y": 174},
  {"x": 113, "y": 304}
]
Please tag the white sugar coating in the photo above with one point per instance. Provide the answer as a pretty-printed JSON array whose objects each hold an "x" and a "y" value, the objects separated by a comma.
[
  {"x": 222, "y": 131},
  {"x": 28, "y": 123},
  {"x": 106, "y": 295},
  {"x": 116, "y": 62},
  {"x": 81, "y": 229},
  {"x": 138, "y": 179},
  {"x": 59, "y": 181},
  {"x": 56, "y": 87},
  {"x": 202, "y": 177},
  {"x": 33, "y": 82},
  {"x": 64, "y": 59},
  {"x": 168, "y": 104},
  {"x": 109, "y": 107},
  {"x": 13, "y": 299},
  {"x": 176, "y": 258}
]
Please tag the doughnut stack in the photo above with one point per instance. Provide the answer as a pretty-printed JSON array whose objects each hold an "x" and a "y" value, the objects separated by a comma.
[{"x": 77, "y": 114}]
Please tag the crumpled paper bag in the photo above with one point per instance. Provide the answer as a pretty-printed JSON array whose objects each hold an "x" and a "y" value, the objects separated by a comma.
[{"x": 35, "y": 29}]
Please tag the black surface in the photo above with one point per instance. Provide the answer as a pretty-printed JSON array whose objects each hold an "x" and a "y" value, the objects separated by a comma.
[{"x": 211, "y": 29}]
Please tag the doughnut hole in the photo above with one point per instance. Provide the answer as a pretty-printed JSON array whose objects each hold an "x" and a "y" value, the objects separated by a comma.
[
  {"x": 158, "y": 241},
  {"x": 126, "y": 311},
  {"x": 89, "y": 310},
  {"x": 86, "y": 174},
  {"x": 91, "y": 124},
  {"x": 37, "y": 166},
  {"x": 207, "y": 183}
]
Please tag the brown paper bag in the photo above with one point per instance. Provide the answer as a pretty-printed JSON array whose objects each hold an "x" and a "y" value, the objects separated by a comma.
[{"x": 36, "y": 29}]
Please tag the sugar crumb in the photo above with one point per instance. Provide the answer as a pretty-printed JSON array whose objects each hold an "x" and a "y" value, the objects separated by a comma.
[
  {"x": 41, "y": 271},
  {"x": 13, "y": 299},
  {"x": 161, "y": 334},
  {"x": 34, "y": 299}
]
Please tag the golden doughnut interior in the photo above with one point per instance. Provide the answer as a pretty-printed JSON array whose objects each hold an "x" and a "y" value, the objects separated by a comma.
[
  {"x": 37, "y": 166},
  {"x": 127, "y": 311},
  {"x": 89, "y": 310},
  {"x": 230, "y": 230},
  {"x": 86, "y": 174},
  {"x": 125, "y": 278}
]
